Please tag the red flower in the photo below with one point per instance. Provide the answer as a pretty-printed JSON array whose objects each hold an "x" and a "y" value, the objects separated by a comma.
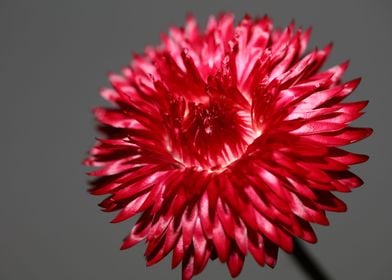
[{"x": 226, "y": 142}]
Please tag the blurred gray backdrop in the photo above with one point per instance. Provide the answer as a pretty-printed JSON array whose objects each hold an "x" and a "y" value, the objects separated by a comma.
[{"x": 54, "y": 57}]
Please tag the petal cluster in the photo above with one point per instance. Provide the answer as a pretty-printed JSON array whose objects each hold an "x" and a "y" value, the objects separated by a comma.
[{"x": 226, "y": 142}]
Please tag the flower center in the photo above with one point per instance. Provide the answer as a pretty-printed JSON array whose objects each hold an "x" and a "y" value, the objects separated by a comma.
[{"x": 208, "y": 135}]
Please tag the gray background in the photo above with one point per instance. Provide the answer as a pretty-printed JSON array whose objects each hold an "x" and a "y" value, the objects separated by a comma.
[{"x": 54, "y": 56}]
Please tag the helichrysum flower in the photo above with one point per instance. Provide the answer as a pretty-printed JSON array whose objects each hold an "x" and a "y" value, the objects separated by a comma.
[{"x": 226, "y": 142}]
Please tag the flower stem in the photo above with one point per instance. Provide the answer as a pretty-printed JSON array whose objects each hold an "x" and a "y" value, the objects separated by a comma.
[{"x": 307, "y": 263}]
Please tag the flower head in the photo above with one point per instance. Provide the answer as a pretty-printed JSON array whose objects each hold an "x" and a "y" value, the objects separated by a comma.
[{"x": 226, "y": 142}]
